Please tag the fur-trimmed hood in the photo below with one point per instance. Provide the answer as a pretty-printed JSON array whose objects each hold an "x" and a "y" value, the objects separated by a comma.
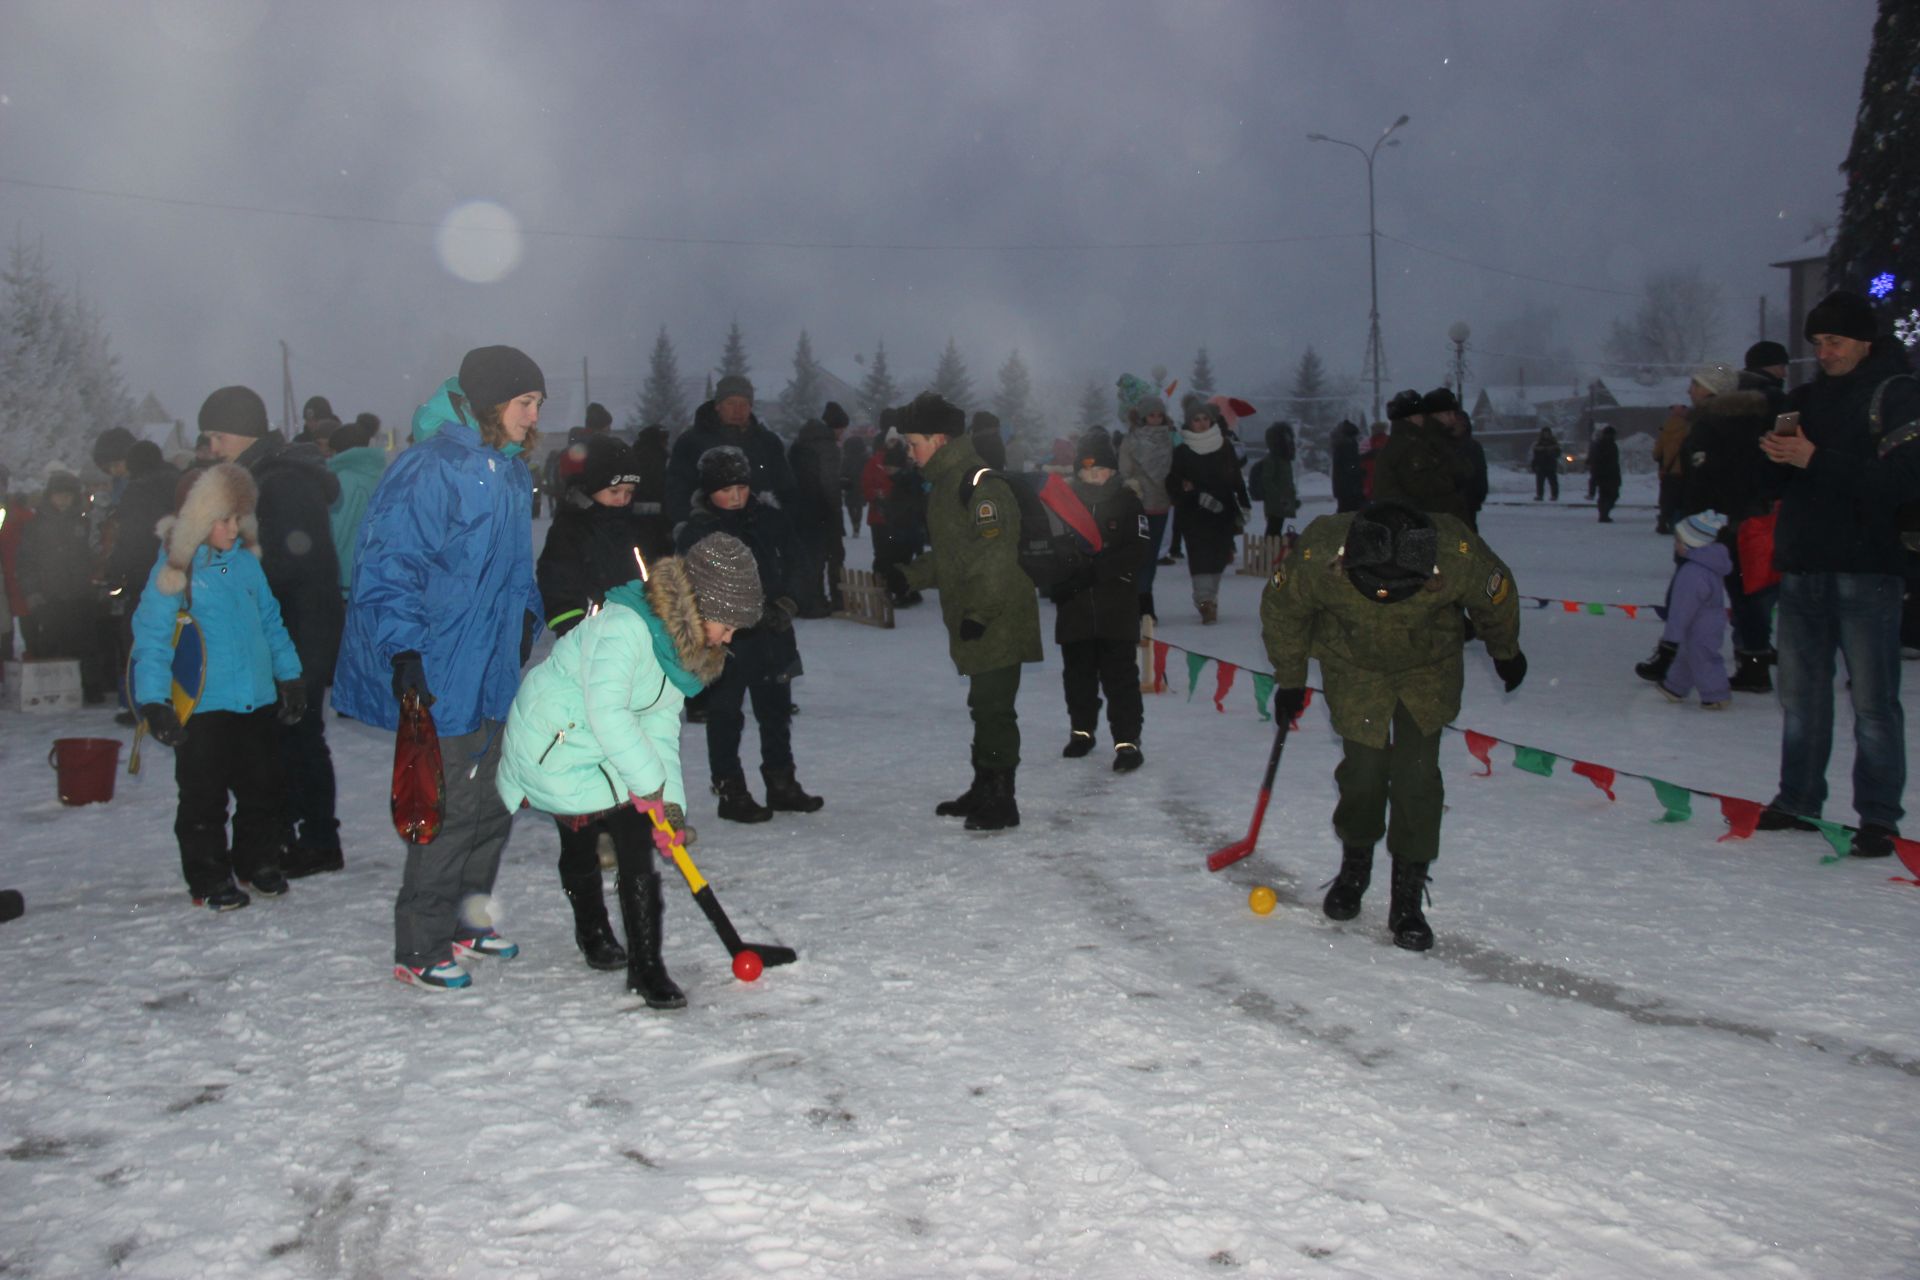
[
  {"x": 670, "y": 592},
  {"x": 1738, "y": 404},
  {"x": 219, "y": 491}
]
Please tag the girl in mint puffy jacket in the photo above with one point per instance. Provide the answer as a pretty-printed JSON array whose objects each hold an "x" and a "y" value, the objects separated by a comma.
[{"x": 594, "y": 733}]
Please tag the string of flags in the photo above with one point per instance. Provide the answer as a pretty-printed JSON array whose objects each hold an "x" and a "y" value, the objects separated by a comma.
[
  {"x": 1595, "y": 607},
  {"x": 1674, "y": 800}
]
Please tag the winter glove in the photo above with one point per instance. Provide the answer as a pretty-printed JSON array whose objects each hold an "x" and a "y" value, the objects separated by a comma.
[
  {"x": 163, "y": 724},
  {"x": 293, "y": 701},
  {"x": 972, "y": 628},
  {"x": 1289, "y": 703},
  {"x": 409, "y": 676},
  {"x": 527, "y": 623},
  {"x": 1512, "y": 670},
  {"x": 1210, "y": 503}
]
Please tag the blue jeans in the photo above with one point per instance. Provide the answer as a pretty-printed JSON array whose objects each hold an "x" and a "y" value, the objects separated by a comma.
[{"x": 1857, "y": 614}]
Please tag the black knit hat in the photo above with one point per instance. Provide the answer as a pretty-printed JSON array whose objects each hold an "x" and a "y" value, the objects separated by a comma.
[
  {"x": 931, "y": 415},
  {"x": 145, "y": 456},
  {"x": 723, "y": 466},
  {"x": 734, "y": 384},
  {"x": 1846, "y": 314},
  {"x": 1764, "y": 355},
  {"x": 1405, "y": 404},
  {"x": 238, "y": 411},
  {"x": 608, "y": 461},
  {"x": 1440, "y": 400},
  {"x": 835, "y": 417},
  {"x": 1095, "y": 449},
  {"x": 598, "y": 419},
  {"x": 1390, "y": 552},
  {"x": 111, "y": 446},
  {"x": 495, "y": 375}
]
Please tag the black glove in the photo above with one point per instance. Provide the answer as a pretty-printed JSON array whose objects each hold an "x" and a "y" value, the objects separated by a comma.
[
  {"x": 409, "y": 676},
  {"x": 777, "y": 617},
  {"x": 972, "y": 628},
  {"x": 293, "y": 702},
  {"x": 1289, "y": 703},
  {"x": 1512, "y": 670},
  {"x": 527, "y": 623},
  {"x": 163, "y": 724}
]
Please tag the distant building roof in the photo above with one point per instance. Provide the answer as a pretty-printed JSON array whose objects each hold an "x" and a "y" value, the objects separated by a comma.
[
  {"x": 1633, "y": 393},
  {"x": 1813, "y": 249}
]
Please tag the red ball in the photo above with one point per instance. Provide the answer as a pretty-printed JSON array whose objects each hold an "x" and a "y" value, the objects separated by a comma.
[{"x": 747, "y": 966}]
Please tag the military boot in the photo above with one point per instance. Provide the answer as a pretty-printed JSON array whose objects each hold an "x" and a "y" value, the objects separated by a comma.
[
  {"x": 1346, "y": 889},
  {"x": 1655, "y": 667},
  {"x": 966, "y": 802},
  {"x": 592, "y": 932},
  {"x": 1079, "y": 743},
  {"x": 1404, "y": 917},
  {"x": 786, "y": 795},
  {"x": 737, "y": 803},
  {"x": 996, "y": 810},
  {"x": 643, "y": 913}
]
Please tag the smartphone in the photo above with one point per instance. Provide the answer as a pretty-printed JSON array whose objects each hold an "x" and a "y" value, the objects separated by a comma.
[{"x": 1787, "y": 423}]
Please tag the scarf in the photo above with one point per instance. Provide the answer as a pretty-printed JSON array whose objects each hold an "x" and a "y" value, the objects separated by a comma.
[{"x": 1208, "y": 441}]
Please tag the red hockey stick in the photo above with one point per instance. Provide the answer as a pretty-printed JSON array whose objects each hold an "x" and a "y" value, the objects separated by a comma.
[{"x": 1230, "y": 854}]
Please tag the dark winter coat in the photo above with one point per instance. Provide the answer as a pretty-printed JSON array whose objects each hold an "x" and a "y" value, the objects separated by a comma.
[
  {"x": 1723, "y": 469},
  {"x": 769, "y": 648},
  {"x": 1349, "y": 479},
  {"x": 1100, "y": 600},
  {"x": 1420, "y": 468},
  {"x": 1375, "y": 655},
  {"x": 590, "y": 551},
  {"x": 146, "y": 501},
  {"x": 1470, "y": 467},
  {"x": 1210, "y": 495},
  {"x": 296, "y": 547},
  {"x": 1546, "y": 455},
  {"x": 1839, "y": 513},
  {"x": 815, "y": 459},
  {"x": 975, "y": 564},
  {"x": 768, "y": 457},
  {"x": 1277, "y": 491},
  {"x": 56, "y": 557},
  {"x": 1603, "y": 463}
]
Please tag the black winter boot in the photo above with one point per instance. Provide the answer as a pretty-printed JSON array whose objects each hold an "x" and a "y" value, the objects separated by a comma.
[
  {"x": 1655, "y": 667},
  {"x": 1751, "y": 674},
  {"x": 643, "y": 913},
  {"x": 967, "y": 801},
  {"x": 1404, "y": 917},
  {"x": 1079, "y": 743},
  {"x": 737, "y": 803},
  {"x": 785, "y": 794},
  {"x": 592, "y": 932},
  {"x": 1346, "y": 889},
  {"x": 996, "y": 810}
]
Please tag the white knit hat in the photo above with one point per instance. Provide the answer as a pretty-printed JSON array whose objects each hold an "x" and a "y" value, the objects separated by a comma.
[{"x": 1699, "y": 530}]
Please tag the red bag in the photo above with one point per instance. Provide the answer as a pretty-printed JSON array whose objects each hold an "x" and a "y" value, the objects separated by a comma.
[
  {"x": 1755, "y": 536},
  {"x": 418, "y": 786}
]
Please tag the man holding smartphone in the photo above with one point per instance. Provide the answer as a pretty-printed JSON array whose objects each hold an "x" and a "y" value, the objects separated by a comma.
[{"x": 1842, "y": 471}]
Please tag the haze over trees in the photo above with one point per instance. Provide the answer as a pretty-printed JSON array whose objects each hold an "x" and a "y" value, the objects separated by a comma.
[
  {"x": 951, "y": 380},
  {"x": 660, "y": 398},
  {"x": 60, "y": 381},
  {"x": 1677, "y": 323}
]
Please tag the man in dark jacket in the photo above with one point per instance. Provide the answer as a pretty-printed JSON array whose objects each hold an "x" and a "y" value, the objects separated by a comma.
[
  {"x": 1844, "y": 473},
  {"x": 133, "y": 546},
  {"x": 1603, "y": 471},
  {"x": 296, "y": 551},
  {"x": 815, "y": 458},
  {"x": 1349, "y": 478},
  {"x": 1420, "y": 467},
  {"x": 1469, "y": 461},
  {"x": 727, "y": 419}
]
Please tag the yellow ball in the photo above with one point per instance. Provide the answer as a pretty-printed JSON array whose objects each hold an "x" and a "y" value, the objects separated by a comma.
[{"x": 1261, "y": 900}]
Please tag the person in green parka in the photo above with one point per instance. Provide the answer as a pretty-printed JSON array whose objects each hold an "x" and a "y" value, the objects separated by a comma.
[
  {"x": 1377, "y": 596},
  {"x": 357, "y": 463},
  {"x": 986, "y": 599},
  {"x": 594, "y": 734}
]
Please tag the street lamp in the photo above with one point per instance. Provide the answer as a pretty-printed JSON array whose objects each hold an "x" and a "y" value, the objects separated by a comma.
[
  {"x": 1458, "y": 333},
  {"x": 1376, "y": 357}
]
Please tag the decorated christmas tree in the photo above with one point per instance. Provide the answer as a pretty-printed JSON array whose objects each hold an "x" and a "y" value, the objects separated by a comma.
[{"x": 1876, "y": 249}]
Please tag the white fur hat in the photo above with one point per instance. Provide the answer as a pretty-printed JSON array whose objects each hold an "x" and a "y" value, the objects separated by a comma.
[{"x": 212, "y": 494}]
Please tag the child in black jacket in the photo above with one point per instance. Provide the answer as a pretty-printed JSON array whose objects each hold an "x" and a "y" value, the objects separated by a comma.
[{"x": 1097, "y": 624}]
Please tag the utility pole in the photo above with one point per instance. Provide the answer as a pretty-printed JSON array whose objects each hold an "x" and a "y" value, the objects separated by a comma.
[
  {"x": 286, "y": 387},
  {"x": 1376, "y": 363},
  {"x": 586, "y": 386}
]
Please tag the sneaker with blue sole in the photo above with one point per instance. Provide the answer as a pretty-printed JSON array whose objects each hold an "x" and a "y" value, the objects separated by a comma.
[
  {"x": 484, "y": 943},
  {"x": 445, "y": 976}
]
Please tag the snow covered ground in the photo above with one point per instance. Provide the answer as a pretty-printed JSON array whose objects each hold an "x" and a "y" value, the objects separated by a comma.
[{"x": 1066, "y": 1050}]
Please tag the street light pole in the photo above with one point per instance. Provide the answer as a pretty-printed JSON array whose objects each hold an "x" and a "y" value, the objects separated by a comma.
[
  {"x": 1376, "y": 353},
  {"x": 1458, "y": 333}
]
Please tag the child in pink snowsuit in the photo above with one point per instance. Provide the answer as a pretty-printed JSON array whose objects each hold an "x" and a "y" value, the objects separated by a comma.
[{"x": 1697, "y": 612}]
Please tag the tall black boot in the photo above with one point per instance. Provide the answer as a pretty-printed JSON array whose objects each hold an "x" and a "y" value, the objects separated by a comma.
[
  {"x": 996, "y": 810},
  {"x": 966, "y": 802},
  {"x": 643, "y": 912},
  {"x": 786, "y": 795},
  {"x": 592, "y": 932},
  {"x": 1356, "y": 873},
  {"x": 1750, "y": 674},
  {"x": 1655, "y": 667},
  {"x": 737, "y": 803},
  {"x": 1404, "y": 917}
]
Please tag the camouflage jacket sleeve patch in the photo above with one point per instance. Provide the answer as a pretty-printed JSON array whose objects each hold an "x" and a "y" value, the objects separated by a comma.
[
  {"x": 986, "y": 517},
  {"x": 1497, "y": 585}
]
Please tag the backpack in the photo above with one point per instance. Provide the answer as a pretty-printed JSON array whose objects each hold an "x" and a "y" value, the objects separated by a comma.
[
  {"x": 1057, "y": 532},
  {"x": 1886, "y": 440}
]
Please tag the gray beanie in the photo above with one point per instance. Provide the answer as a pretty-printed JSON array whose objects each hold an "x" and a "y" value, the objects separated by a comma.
[
  {"x": 726, "y": 581},
  {"x": 1718, "y": 379},
  {"x": 731, "y": 385}
]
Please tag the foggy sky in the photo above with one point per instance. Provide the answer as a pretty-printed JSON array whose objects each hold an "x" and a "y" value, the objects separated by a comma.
[{"x": 991, "y": 159}]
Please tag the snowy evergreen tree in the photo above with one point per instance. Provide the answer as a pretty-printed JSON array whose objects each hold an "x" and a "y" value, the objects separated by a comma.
[
  {"x": 1309, "y": 403},
  {"x": 1013, "y": 402},
  {"x": 59, "y": 379},
  {"x": 1096, "y": 406},
  {"x": 951, "y": 380},
  {"x": 1876, "y": 248},
  {"x": 1676, "y": 324},
  {"x": 1201, "y": 383},
  {"x": 733, "y": 360},
  {"x": 803, "y": 396},
  {"x": 660, "y": 399},
  {"x": 877, "y": 389}
]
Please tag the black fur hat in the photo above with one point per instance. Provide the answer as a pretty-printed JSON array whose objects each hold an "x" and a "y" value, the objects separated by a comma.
[
  {"x": 1405, "y": 404},
  {"x": 723, "y": 466},
  {"x": 1390, "y": 552}
]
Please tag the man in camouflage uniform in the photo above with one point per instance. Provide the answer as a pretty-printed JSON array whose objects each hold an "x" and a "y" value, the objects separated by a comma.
[
  {"x": 986, "y": 599},
  {"x": 1377, "y": 597}
]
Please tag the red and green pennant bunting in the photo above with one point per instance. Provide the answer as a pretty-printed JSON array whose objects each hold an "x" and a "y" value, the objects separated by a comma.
[
  {"x": 1741, "y": 815},
  {"x": 1598, "y": 774},
  {"x": 1196, "y": 663},
  {"x": 1262, "y": 694},
  {"x": 1837, "y": 836},
  {"x": 1160, "y": 648},
  {"x": 1480, "y": 747},
  {"x": 1676, "y": 800},
  {"x": 1533, "y": 760},
  {"x": 1223, "y": 685}
]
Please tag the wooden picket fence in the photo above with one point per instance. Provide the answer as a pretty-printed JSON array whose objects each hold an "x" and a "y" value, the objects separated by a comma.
[
  {"x": 865, "y": 596},
  {"x": 1259, "y": 556}
]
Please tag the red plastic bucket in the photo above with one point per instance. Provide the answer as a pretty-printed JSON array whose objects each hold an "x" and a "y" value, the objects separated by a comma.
[{"x": 86, "y": 767}]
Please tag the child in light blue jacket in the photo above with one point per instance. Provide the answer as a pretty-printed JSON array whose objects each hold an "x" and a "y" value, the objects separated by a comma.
[{"x": 209, "y": 569}]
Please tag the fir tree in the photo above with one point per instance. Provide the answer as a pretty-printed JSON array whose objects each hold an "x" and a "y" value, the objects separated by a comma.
[
  {"x": 1013, "y": 402},
  {"x": 803, "y": 396},
  {"x": 660, "y": 399},
  {"x": 1309, "y": 403},
  {"x": 1095, "y": 405},
  {"x": 951, "y": 380},
  {"x": 59, "y": 377},
  {"x": 877, "y": 389},
  {"x": 733, "y": 360},
  {"x": 1876, "y": 248},
  {"x": 1201, "y": 383}
]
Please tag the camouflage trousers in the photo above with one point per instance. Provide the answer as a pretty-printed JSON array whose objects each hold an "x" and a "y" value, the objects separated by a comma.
[
  {"x": 996, "y": 726},
  {"x": 1404, "y": 777}
]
